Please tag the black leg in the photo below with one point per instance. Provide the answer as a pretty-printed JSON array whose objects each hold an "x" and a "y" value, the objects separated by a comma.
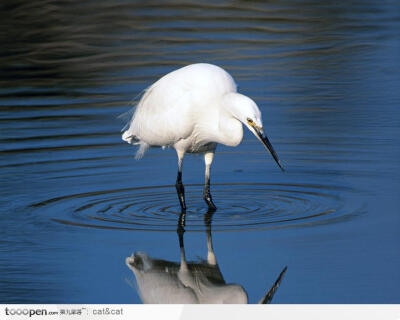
[
  {"x": 181, "y": 223},
  {"x": 207, "y": 196},
  {"x": 181, "y": 191}
]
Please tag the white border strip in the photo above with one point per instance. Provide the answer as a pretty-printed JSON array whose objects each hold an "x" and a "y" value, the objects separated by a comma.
[{"x": 197, "y": 312}]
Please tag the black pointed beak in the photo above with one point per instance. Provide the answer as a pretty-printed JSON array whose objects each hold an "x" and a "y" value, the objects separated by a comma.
[
  {"x": 270, "y": 294},
  {"x": 263, "y": 138}
]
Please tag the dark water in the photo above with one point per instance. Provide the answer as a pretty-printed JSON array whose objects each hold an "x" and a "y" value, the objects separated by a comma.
[{"x": 75, "y": 204}]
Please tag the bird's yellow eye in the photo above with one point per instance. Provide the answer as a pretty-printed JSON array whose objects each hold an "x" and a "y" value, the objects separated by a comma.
[{"x": 249, "y": 121}]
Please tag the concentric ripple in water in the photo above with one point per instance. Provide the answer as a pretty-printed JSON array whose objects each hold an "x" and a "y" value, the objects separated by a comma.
[{"x": 241, "y": 206}]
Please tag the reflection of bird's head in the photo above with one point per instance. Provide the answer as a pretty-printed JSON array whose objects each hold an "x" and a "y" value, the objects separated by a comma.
[{"x": 139, "y": 261}]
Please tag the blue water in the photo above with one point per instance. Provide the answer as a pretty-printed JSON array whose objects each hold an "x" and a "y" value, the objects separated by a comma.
[{"x": 75, "y": 204}]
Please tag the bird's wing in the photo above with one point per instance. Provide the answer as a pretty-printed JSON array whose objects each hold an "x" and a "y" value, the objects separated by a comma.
[
  {"x": 171, "y": 107},
  {"x": 164, "y": 114}
]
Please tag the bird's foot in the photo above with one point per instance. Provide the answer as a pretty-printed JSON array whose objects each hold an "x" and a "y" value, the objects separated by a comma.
[
  {"x": 208, "y": 200},
  {"x": 180, "y": 230},
  {"x": 212, "y": 207}
]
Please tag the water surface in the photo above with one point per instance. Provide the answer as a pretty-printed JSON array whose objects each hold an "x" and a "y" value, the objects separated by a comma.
[{"x": 75, "y": 204}]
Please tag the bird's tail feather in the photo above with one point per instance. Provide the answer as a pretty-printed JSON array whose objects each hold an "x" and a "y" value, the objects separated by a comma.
[
  {"x": 130, "y": 138},
  {"x": 128, "y": 115}
]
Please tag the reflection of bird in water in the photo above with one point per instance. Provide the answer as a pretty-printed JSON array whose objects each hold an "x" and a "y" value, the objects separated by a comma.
[
  {"x": 192, "y": 109},
  {"x": 161, "y": 281}
]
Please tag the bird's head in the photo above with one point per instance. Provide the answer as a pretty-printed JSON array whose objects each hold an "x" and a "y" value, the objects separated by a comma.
[{"x": 246, "y": 111}]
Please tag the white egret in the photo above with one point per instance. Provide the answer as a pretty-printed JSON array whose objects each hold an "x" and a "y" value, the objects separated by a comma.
[{"x": 192, "y": 109}]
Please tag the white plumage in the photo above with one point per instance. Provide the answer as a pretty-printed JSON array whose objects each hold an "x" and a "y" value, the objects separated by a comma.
[{"x": 192, "y": 109}]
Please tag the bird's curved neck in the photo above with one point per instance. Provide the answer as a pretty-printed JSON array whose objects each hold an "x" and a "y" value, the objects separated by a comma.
[
  {"x": 232, "y": 103},
  {"x": 231, "y": 130},
  {"x": 227, "y": 130}
]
